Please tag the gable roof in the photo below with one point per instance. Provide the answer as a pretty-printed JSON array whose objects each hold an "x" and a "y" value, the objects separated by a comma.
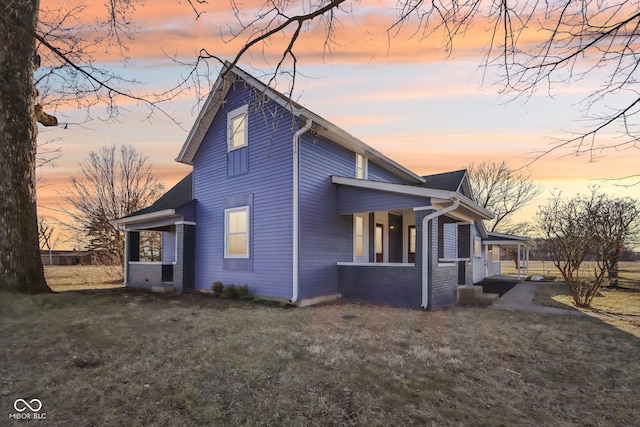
[
  {"x": 449, "y": 181},
  {"x": 320, "y": 126}
]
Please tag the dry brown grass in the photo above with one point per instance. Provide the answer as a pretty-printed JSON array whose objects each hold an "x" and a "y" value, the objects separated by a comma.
[
  {"x": 80, "y": 277},
  {"x": 619, "y": 307},
  {"x": 118, "y": 357}
]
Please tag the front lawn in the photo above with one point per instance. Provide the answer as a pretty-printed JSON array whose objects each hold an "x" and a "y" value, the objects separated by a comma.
[
  {"x": 620, "y": 307},
  {"x": 118, "y": 357}
]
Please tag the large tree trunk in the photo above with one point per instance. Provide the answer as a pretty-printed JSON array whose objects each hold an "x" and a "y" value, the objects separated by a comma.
[{"x": 20, "y": 264}]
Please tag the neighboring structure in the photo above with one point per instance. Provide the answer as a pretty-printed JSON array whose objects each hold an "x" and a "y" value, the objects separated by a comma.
[
  {"x": 495, "y": 241},
  {"x": 60, "y": 257},
  {"x": 298, "y": 209}
]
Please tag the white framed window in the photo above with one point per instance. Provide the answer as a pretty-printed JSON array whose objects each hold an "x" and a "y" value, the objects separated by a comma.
[
  {"x": 361, "y": 166},
  {"x": 477, "y": 247},
  {"x": 236, "y": 232},
  {"x": 360, "y": 238},
  {"x": 450, "y": 240},
  {"x": 237, "y": 128}
]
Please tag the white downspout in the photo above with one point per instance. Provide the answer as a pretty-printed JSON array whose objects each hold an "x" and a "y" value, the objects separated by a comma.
[
  {"x": 296, "y": 209},
  {"x": 425, "y": 247}
]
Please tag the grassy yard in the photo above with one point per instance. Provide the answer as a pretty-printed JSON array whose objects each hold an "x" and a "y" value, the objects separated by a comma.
[
  {"x": 618, "y": 307},
  {"x": 118, "y": 357}
]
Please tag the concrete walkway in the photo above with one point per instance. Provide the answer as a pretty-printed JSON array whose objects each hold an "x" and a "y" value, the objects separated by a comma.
[{"x": 521, "y": 298}]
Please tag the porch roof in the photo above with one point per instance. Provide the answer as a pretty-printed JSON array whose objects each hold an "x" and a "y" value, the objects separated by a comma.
[
  {"x": 507, "y": 240},
  {"x": 166, "y": 207},
  {"x": 468, "y": 209}
]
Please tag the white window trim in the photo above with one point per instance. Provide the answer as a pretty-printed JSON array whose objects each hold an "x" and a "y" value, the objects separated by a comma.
[
  {"x": 477, "y": 247},
  {"x": 232, "y": 115},
  {"x": 365, "y": 238},
  {"x": 365, "y": 167},
  {"x": 226, "y": 232}
]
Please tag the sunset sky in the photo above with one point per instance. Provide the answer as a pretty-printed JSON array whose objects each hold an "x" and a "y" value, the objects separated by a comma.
[{"x": 403, "y": 96}]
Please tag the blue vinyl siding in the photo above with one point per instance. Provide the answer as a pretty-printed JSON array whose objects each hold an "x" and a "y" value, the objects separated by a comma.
[
  {"x": 188, "y": 211},
  {"x": 325, "y": 236},
  {"x": 238, "y": 161},
  {"x": 269, "y": 178},
  {"x": 351, "y": 199},
  {"x": 377, "y": 173}
]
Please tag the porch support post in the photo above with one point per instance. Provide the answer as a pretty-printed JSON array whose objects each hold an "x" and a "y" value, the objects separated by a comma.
[
  {"x": 519, "y": 260},
  {"x": 126, "y": 257}
]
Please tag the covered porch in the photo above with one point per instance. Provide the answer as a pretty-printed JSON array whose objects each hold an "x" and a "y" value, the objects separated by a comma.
[
  {"x": 159, "y": 254},
  {"x": 411, "y": 246},
  {"x": 160, "y": 242},
  {"x": 521, "y": 245}
]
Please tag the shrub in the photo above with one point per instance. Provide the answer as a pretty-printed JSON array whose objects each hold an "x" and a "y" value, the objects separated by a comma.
[
  {"x": 243, "y": 291},
  {"x": 217, "y": 288},
  {"x": 231, "y": 292}
]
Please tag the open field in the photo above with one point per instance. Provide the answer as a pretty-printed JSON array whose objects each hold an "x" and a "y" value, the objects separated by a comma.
[
  {"x": 120, "y": 357},
  {"x": 629, "y": 272},
  {"x": 79, "y": 277}
]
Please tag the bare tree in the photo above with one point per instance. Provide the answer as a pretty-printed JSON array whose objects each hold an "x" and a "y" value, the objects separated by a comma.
[
  {"x": 62, "y": 58},
  {"x": 502, "y": 191},
  {"x": 45, "y": 233},
  {"x": 114, "y": 183},
  {"x": 618, "y": 222},
  {"x": 578, "y": 38},
  {"x": 580, "y": 228}
]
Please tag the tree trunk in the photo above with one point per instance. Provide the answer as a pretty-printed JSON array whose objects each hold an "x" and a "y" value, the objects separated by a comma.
[
  {"x": 20, "y": 264},
  {"x": 612, "y": 269}
]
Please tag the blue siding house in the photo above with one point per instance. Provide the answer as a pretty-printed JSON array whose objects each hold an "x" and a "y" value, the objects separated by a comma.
[{"x": 288, "y": 203}]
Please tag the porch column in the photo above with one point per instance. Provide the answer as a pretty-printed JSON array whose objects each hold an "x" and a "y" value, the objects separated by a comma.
[
  {"x": 519, "y": 261},
  {"x": 126, "y": 258}
]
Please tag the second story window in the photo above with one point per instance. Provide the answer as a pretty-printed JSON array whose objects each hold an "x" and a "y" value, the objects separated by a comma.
[
  {"x": 361, "y": 166},
  {"x": 237, "y": 128}
]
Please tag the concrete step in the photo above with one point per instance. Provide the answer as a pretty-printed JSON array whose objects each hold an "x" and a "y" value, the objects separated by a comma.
[
  {"x": 468, "y": 294},
  {"x": 487, "y": 299},
  {"x": 162, "y": 289}
]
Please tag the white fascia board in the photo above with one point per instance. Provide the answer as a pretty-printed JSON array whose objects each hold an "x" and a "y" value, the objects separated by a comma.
[
  {"x": 393, "y": 188},
  {"x": 508, "y": 242},
  {"x": 145, "y": 217},
  {"x": 507, "y": 236},
  {"x": 204, "y": 119}
]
